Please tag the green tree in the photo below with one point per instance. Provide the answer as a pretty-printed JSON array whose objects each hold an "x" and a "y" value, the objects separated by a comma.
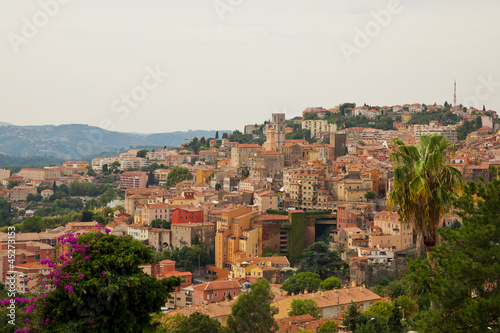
[
  {"x": 217, "y": 186},
  {"x": 177, "y": 174},
  {"x": 395, "y": 321},
  {"x": 370, "y": 195},
  {"x": 252, "y": 312},
  {"x": 160, "y": 223},
  {"x": 90, "y": 172},
  {"x": 11, "y": 184},
  {"x": 330, "y": 283},
  {"x": 304, "y": 306},
  {"x": 5, "y": 212},
  {"x": 328, "y": 327},
  {"x": 351, "y": 318},
  {"x": 463, "y": 281},
  {"x": 109, "y": 291},
  {"x": 87, "y": 216},
  {"x": 33, "y": 224},
  {"x": 30, "y": 197},
  {"x": 105, "y": 169},
  {"x": 424, "y": 184},
  {"x": 380, "y": 309},
  {"x": 142, "y": 153},
  {"x": 301, "y": 282},
  {"x": 198, "y": 323},
  {"x": 317, "y": 258},
  {"x": 408, "y": 305},
  {"x": 216, "y": 135}
]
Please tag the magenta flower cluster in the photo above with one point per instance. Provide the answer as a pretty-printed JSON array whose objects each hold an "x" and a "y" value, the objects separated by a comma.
[{"x": 59, "y": 277}]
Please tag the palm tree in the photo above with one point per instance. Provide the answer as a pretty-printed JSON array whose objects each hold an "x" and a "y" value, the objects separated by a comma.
[{"x": 424, "y": 184}]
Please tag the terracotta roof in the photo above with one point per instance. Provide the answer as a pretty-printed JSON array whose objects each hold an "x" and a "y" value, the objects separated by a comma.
[{"x": 219, "y": 284}]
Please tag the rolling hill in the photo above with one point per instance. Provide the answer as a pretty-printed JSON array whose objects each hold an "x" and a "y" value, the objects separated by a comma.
[{"x": 76, "y": 141}]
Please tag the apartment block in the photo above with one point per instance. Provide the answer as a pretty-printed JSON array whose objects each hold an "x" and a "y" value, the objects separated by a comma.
[
  {"x": 183, "y": 234},
  {"x": 230, "y": 227},
  {"x": 318, "y": 126},
  {"x": 20, "y": 193},
  {"x": 133, "y": 179}
]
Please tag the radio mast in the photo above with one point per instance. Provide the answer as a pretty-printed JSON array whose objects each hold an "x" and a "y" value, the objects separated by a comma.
[{"x": 455, "y": 94}]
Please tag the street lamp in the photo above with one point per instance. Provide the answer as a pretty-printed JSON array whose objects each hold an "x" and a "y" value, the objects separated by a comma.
[{"x": 403, "y": 311}]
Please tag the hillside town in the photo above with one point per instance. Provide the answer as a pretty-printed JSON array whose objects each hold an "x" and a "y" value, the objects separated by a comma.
[{"x": 223, "y": 213}]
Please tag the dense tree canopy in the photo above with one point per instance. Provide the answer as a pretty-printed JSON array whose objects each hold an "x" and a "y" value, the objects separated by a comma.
[
  {"x": 330, "y": 283},
  {"x": 177, "y": 174},
  {"x": 196, "y": 323},
  {"x": 328, "y": 327},
  {"x": 304, "y": 306},
  {"x": 301, "y": 282},
  {"x": 101, "y": 288},
  {"x": 252, "y": 312},
  {"x": 317, "y": 258},
  {"x": 463, "y": 281}
]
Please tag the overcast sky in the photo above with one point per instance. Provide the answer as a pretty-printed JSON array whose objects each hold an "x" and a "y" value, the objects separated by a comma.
[{"x": 234, "y": 62}]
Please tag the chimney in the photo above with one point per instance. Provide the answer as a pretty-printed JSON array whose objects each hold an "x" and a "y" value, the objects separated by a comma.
[
  {"x": 347, "y": 291},
  {"x": 353, "y": 284}
]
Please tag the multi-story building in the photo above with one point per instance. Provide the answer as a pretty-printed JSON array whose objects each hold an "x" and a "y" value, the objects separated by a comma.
[
  {"x": 448, "y": 131},
  {"x": 331, "y": 303},
  {"x": 76, "y": 164},
  {"x": 159, "y": 239},
  {"x": 133, "y": 179},
  {"x": 183, "y": 234},
  {"x": 253, "y": 269},
  {"x": 4, "y": 174},
  {"x": 354, "y": 135},
  {"x": 187, "y": 214},
  {"x": 20, "y": 193},
  {"x": 360, "y": 111},
  {"x": 272, "y": 161},
  {"x": 138, "y": 231},
  {"x": 230, "y": 227},
  {"x": 338, "y": 141},
  {"x": 318, "y": 126},
  {"x": 244, "y": 155},
  {"x": 40, "y": 174},
  {"x": 150, "y": 212},
  {"x": 209, "y": 156},
  {"x": 302, "y": 186},
  {"x": 161, "y": 154},
  {"x": 393, "y": 233},
  {"x": 26, "y": 252},
  {"x": 293, "y": 153},
  {"x": 216, "y": 291},
  {"x": 353, "y": 187},
  {"x": 265, "y": 200},
  {"x": 278, "y": 124}
]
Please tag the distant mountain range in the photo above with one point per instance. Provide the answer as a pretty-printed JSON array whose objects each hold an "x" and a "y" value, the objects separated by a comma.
[{"x": 78, "y": 141}]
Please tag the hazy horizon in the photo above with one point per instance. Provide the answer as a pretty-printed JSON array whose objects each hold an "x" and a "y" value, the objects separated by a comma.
[{"x": 152, "y": 67}]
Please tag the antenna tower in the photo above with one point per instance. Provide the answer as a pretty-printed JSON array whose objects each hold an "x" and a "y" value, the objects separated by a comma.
[{"x": 455, "y": 94}]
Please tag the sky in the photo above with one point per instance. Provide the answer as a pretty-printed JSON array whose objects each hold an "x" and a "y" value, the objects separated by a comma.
[{"x": 154, "y": 66}]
